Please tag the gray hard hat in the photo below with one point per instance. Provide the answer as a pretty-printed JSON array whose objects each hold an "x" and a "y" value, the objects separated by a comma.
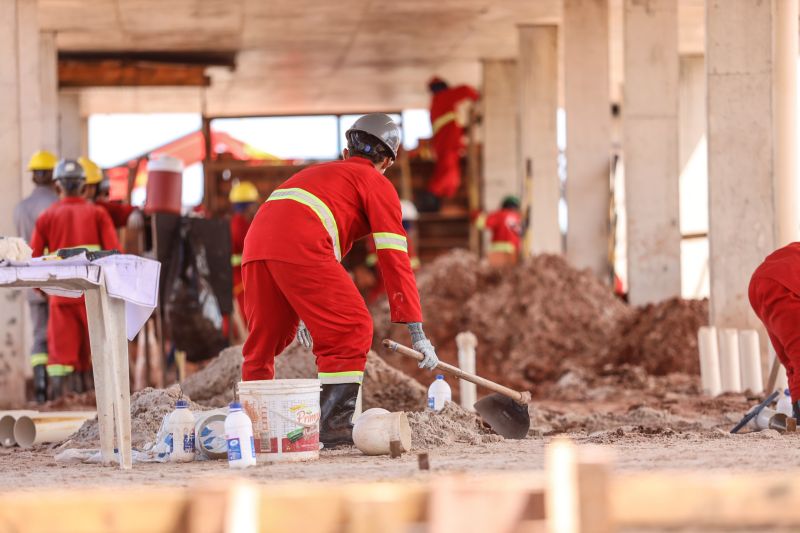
[
  {"x": 69, "y": 169},
  {"x": 380, "y": 126}
]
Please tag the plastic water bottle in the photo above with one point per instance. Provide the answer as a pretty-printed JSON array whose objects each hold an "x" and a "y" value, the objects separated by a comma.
[
  {"x": 785, "y": 404},
  {"x": 239, "y": 434},
  {"x": 180, "y": 433},
  {"x": 439, "y": 393}
]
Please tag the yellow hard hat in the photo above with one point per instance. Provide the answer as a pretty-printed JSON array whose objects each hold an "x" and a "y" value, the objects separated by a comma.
[
  {"x": 43, "y": 160},
  {"x": 242, "y": 192},
  {"x": 93, "y": 173}
]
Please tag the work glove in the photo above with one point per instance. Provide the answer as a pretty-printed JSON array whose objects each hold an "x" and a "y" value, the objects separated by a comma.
[
  {"x": 304, "y": 336},
  {"x": 423, "y": 346}
]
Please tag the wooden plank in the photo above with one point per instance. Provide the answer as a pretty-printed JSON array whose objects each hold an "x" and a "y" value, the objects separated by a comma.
[
  {"x": 101, "y": 369},
  {"x": 706, "y": 499},
  {"x": 594, "y": 478},
  {"x": 119, "y": 73}
]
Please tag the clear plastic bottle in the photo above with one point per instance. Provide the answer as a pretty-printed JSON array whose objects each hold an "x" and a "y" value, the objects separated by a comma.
[
  {"x": 785, "y": 404},
  {"x": 239, "y": 434},
  {"x": 180, "y": 428},
  {"x": 438, "y": 393}
]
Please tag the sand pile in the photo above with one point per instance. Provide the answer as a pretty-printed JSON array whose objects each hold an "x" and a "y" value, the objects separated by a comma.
[
  {"x": 662, "y": 338},
  {"x": 451, "y": 425},
  {"x": 148, "y": 409}
]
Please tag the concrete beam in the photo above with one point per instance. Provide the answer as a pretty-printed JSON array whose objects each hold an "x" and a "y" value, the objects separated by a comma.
[
  {"x": 500, "y": 131},
  {"x": 650, "y": 125},
  {"x": 538, "y": 97},
  {"x": 740, "y": 152},
  {"x": 586, "y": 88}
]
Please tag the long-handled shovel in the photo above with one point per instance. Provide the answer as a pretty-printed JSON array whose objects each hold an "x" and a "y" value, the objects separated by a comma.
[{"x": 505, "y": 412}]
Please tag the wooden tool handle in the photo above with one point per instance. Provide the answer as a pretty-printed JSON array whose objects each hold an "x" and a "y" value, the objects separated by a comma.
[{"x": 521, "y": 397}]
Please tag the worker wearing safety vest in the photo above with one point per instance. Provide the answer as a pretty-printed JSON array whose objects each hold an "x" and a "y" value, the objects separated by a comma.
[
  {"x": 26, "y": 212},
  {"x": 410, "y": 214},
  {"x": 775, "y": 297},
  {"x": 448, "y": 136},
  {"x": 71, "y": 222},
  {"x": 294, "y": 284},
  {"x": 96, "y": 191},
  {"x": 244, "y": 203},
  {"x": 505, "y": 225}
]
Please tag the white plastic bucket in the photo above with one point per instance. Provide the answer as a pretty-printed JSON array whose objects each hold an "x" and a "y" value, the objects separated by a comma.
[{"x": 285, "y": 415}]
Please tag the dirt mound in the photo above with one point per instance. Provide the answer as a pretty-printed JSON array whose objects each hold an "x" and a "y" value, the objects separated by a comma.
[
  {"x": 387, "y": 387},
  {"x": 661, "y": 338},
  {"x": 534, "y": 322},
  {"x": 148, "y": 408},
  {"x": 451, "y": 425}
]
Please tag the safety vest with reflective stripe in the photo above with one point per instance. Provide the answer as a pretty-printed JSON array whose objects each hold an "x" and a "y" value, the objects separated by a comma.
[{"x": 318, "y": 206}]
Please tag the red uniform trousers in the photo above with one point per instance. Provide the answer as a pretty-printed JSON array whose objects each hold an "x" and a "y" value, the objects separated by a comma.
[
  {"x": 279, "y": 294},
  {"x": 68, "y": 337},
  {"x": 446, "y": 177},
  {"x": 779, "y": 310},
  {"x": 238, "y": 287}
]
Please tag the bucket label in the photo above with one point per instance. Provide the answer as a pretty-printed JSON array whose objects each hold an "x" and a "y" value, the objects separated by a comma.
[
  {"x": 188, "y": 441},
  {"x": 283, "y": 423},
  {"x": 252, "y": 447},
  {"x": 234, "y": 449}
]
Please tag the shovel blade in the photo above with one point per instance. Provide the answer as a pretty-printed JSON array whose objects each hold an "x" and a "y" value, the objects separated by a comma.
[{"x": 505, "y": 416}]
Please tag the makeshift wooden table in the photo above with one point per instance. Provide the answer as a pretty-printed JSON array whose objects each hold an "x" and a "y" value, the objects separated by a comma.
[{"x": 109, "y": 345}]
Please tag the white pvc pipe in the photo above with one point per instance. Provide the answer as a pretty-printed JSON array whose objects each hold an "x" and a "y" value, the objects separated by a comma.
[
  {"x": 729, "y": 367},
  {"x": 7, "y": 421},
  {"x": 750, "y": 361},
  {"x": 47, "y": 427},
  {"x": 467, "y": 344},
  {"x": 709, "y": 360}
]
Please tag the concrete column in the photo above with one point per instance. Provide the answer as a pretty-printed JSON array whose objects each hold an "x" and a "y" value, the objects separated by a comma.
[
  {"x": 650, "y": 133},
  {"x": 19, "y": 137},
  {"x": 691, "y": 107},
  {"x": 500, "y": 131},
  {"x": 48, "y": 78},
  {"x": 786, "y": 51},
  {"x": 70, "y": 125},
  {"x": 588, "y": 117},
  {"x": 538, "y": 97},
  {"x": 740, "y": 152}
]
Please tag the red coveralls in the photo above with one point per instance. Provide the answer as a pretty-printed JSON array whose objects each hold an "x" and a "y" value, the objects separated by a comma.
[
  {"x": 448, "y": 141},
  {"x": 239, "y": 226},
  {"x": 71, "y": 223},
  {"x": 506, "y": 228},
  {"x": 119, "y": 212},
  {"x": 372, "y": 261},
  {"x": 291, "y": 268},
  {"x": 775, "y": 298}
]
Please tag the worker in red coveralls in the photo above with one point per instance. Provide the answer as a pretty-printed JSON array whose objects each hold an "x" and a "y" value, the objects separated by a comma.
[
  {"x": 294, "y": 284},
  {"x": 410, "y": 214},
  {"x": 505, "y": 225},
  {"x": 775, "y": 297},
  {"x": 96, "y": 191},
  {"x": 448, "y": 136},
  {"x": 244, "y": 203},
  {"x": 71, "y": 222}
]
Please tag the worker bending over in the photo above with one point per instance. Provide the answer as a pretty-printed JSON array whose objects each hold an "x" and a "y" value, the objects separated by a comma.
[
  {"x": 292, "y": 272},
  {"x": 26, "y": 212},
  {"x": 775, "y": 297},
  {"x": 244, "y": 204},
  {"x": 448, "y": 136},
  {"x": 71, "y": 222},
  {"x": 505, "y": 225}
]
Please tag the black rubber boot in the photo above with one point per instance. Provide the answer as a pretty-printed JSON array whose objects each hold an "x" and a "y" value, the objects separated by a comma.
[
  {"x": 77, "y": 384},
  {"x": 796, "y": 411},
  {"x": 88, "y": 380},
  {"x": 57, "y": 386},
  {"x": 337, "y": 406},
  {"x": 40, "y": 383}
]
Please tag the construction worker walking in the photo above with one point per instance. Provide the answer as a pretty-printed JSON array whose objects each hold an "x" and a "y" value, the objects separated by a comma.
[
  {"x": 71, "y": 222},
  {"x": 26, "y": 212},
  {"x": 448, "y": 136},
  {"x": 505, "y": 225},
  {"x": 294, "y": 284},
  {"x": 96, "y": 191},
  {"x": 244, "y": 204}
]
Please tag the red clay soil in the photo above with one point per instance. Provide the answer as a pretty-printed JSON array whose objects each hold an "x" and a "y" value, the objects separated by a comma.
[{"x": 542, "y": 321}]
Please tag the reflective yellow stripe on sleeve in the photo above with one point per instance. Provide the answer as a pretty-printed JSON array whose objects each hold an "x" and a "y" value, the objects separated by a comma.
[
  {"x": 318, "y": 206},
  {"x": 440, "y": 122},
  {"x": 390, "y": 241}
]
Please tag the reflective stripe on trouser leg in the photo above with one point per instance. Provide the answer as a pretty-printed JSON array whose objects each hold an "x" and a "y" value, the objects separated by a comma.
[
  {"x": 333, "y": 378},
  {"x": 38, "y": 359},
  {"x": 55, "y": 371}
]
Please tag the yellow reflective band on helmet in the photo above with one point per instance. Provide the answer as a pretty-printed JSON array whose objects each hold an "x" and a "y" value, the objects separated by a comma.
[
  {"x": 372, "y": 260},
  {"x": 56, "y": 371},
  {"x": 503, "y": 246},
  {"x": 445, "y": 119},
  {"x": 329, "y": 378},
  {"x": 38, "y": 359},
  {"x": 316, "y": 205},
  {"x": 236, "y": 260},
  {"x": 390, "y": 241}
]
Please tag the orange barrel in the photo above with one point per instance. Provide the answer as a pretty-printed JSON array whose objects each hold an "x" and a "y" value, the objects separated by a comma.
[{"x": 164, "y": 185}]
